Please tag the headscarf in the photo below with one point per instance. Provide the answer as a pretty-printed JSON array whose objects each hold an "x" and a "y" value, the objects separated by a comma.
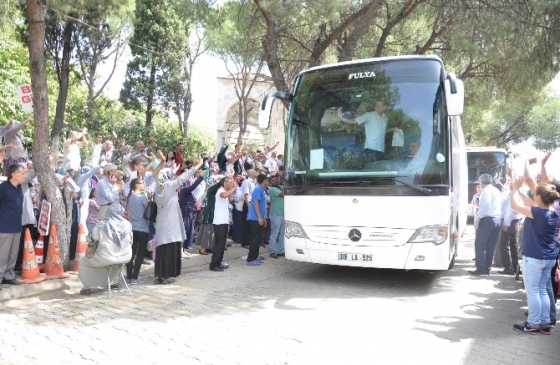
[
  {"x": 114, "y": 225},
  {"x": 86, "y": 168},
  {"x": 164, "y": 176}
]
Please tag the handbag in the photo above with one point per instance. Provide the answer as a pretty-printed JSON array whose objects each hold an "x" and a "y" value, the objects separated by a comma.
[
  {"x": 150, "y": 212},
  {"x": 91, "y": 249}
]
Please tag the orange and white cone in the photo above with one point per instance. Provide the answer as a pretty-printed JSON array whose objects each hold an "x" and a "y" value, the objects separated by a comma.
[
  {"x": 29, "y": 269},
  {"x": 81, "y": 248},
  {"x": 53, "y": 265},
  {"x": 39, "y": 250}
]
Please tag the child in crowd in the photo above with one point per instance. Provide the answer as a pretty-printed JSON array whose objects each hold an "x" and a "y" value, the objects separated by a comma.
[{"x": 137, "y": 202}]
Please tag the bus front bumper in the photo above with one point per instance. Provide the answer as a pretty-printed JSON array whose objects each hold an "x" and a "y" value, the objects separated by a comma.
[{"x": 409, "y": 256}]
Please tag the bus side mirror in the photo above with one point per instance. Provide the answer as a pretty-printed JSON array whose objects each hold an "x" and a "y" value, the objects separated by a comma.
[
  {"x": 454, "y": 95},
  {"x": 266, "y": 106}
]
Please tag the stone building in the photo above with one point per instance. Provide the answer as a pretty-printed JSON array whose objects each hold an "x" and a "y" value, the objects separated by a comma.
[{"x": 227, "y": 120}]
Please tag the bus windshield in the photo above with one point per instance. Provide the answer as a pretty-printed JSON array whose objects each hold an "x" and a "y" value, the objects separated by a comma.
[{"x": 369, "y": 123}]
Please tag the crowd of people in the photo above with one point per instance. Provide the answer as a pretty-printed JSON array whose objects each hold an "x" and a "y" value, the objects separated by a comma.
[
  {"x": 522, "y": 217},
  {"x": 235, "y": 193}
]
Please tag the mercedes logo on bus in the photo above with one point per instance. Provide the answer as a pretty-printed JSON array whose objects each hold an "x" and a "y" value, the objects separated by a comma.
[{"x": 355, "y": 235}]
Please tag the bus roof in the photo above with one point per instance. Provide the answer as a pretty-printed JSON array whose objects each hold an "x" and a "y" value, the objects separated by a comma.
[{"x": 368, "y": 60}]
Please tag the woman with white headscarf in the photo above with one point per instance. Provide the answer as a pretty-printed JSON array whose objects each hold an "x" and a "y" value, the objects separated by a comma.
[
  {"x": 114, "y": 237},
  {"x": 170, "y": 229}
]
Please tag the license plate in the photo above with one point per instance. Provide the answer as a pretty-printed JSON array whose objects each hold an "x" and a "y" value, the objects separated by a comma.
[{"x": 354, "y": 257}]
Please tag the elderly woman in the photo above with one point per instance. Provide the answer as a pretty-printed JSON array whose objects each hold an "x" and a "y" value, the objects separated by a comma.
[
  {"x": 170, "y": 229},
  {"x": 114, "y": 237}
]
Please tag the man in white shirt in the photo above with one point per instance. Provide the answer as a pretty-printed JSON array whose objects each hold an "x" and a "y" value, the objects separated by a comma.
[
  {"x": 72, "y": 158},
  {"x": 489, "y": 212},
  {"x": 221, "y": 222},
  {"x": 96, "y": 150},
  {"x": 375, "y": 124},
  {"x": 271, "y": 163}
]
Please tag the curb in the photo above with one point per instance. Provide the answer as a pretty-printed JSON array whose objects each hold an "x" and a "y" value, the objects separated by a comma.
[{"x": 10, "y": 292}]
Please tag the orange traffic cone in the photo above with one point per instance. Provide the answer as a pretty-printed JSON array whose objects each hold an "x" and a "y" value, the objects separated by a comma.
[
  {"x": 81, "y": 247},
  {"x": 39, "y": 246},
  {"x": 29, "y": 270},
  {"x": 53, "y": 265}
]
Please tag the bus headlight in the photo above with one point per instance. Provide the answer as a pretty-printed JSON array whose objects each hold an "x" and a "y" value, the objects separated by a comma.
[
  {"x": 435, "y": 234},
  {"x": 294, "y": 229}
]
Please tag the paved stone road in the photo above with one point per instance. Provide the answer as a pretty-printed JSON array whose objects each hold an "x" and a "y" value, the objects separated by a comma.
[{"x": 283, "y": 313}]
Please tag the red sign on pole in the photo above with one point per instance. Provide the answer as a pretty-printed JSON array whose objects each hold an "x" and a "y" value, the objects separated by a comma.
[{"x": 44, "y": 218}]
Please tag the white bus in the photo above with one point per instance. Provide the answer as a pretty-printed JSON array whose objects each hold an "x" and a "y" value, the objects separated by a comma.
[{"x": 346, "y": 204}]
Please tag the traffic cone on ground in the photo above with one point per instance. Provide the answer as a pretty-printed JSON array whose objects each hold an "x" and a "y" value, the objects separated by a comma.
[
  {"x": 29, "y": 269},
  {"x": 53, "y": 265},
  {"x": 81, "y": 247},
  {"x": 39, "y": 253}
]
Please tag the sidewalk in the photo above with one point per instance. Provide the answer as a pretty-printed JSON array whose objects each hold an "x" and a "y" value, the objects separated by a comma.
[{"x": 201, "y": 262}]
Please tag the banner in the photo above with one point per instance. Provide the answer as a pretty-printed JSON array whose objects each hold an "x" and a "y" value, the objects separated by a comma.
[
  {"x": 25, "y": 96},
  {"x": 44, "y": 218}
]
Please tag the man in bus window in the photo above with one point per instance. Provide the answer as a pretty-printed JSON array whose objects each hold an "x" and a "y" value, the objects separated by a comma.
[
  {"x": 374, "y": 121},
  {"x": 413, "y": 148}
]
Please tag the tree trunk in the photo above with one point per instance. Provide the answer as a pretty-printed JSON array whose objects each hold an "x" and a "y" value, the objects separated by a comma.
[
  {"x": 49, "y": 184},
  {"x": 150, "y": 97},
  {"x": 63, "y": 88},
  {"x": 271, "y": 49},
  {"x": 90, "y": 102},
  {"x": 187, "y": 107}
]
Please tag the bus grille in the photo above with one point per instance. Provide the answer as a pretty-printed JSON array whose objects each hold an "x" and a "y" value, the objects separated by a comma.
[{"x": 358, "y": 236}]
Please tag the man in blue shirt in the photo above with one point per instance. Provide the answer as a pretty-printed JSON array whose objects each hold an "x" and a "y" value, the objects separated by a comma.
[
  {"x": 257, "y": 219},
  {"x": 11, "y": 212}
]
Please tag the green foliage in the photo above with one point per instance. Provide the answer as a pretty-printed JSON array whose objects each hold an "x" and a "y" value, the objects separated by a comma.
[
  {"x": 234, "y": 33},
  {"x": 159, "y": 46},
  {"x": 506, "y": 51},
  {"x": 198, "y": 140},
  {"x": 14, "y": 69}
]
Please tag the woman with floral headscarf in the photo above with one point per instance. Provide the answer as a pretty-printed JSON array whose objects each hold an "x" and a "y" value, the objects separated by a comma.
[
  {"x": 114, "y": 237},
  {"x": 170, "y": 229}
]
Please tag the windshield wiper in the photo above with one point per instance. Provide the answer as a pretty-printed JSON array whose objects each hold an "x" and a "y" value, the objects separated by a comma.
[{"x": 415, "y": 187}]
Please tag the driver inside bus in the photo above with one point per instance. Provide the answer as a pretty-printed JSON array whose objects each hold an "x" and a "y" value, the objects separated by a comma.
[
  {"x": 374, "y": 121},
  {"x": 416, "y": 163}
]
